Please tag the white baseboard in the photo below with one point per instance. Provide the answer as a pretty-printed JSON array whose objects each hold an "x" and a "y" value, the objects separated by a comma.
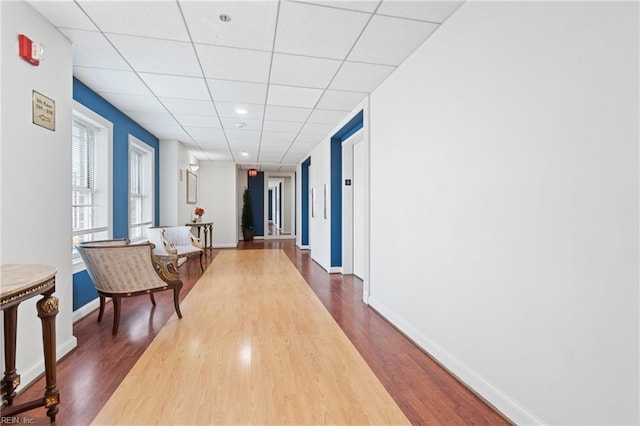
[
  {"x": 85, "y": 310},
  {"x": 335, "y": 270},
  {"x": 31, "y": 374},
  {"x": 306, "y": 247},
  {"x": 506, "y": 405},
  {"x": 230, "y": 245}
]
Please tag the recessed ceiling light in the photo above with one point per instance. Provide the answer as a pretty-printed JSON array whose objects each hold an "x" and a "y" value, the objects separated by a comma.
[
  {"x": 244, "y": 154},
  {"x": 225, "y": 18},
  {"x": 241, "y": 111}
]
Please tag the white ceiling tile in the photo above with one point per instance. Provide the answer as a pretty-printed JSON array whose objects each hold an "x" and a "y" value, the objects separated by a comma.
[
  {"x": 64, "y": 14},
  {"x": 172, "y": 86},
  {"x": 112, "y": 81},
  {"x": 390, "y": 40},
  {"x": 293, "y": 96},
  {"x": 360, "y": 77},
  {"x": 164, "y": 131},
  {"x": 208, "y": 134},
  {"x": 282, "y": 126},
  {"x": 339, "y": 100},
  {"x": 228, "y": 63},
  {"x": 317, "y": 128},
  {"x": 238, "y": 91},
  {"x": 432, "y": 11},
  {"x": 311, "y": 30},
  {"x": 134, "y": 102},
  {"x": 188, "y": 120},
  {"x": 159, "y": 19},
  {"x": 147, "y": 118},
  {"x": 158, "y": 56},
  {"x": 278, "y": 136},
  {"x": 359, "y": 5},
  {"x": 189, "y": 106},
  {"x": 271, "y": 157},
  {"x": 252, "y": 24},
  {"x": 314, "y": 138},
  {"x": 325, "y": 116},
  {"x": 280, "y": 113},
  {"x": 236, "y": 135},
  {"x": 294, "y": 70},
  {"x": 228, "y": 110},
  {"x": 241, "y": 124},
  {"x": 91, "y": 49}
]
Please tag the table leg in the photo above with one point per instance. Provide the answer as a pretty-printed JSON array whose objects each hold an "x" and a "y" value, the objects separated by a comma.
[
  {"x": 11, "y": 379},
  {"x": 47, "y": 311}
]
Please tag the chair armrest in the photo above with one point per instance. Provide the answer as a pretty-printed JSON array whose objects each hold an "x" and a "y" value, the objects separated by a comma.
[
  {"x": 169, "y": 245},
  {"x": 165, "y": 270},
  {"x": 195, "y": 241}
]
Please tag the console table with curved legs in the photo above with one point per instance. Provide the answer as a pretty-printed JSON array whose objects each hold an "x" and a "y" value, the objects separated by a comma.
[
  {"x": 19, "y": 283},
  {"x": 208, "y": 233}
]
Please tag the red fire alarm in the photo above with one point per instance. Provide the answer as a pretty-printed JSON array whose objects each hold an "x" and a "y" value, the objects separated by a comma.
[
  {"x": 253, "y": 173},
  {"x": 29, "y": 50}
]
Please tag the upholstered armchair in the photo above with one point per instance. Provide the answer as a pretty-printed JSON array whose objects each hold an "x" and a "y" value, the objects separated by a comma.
[
  {"x": 119, "y": 269},
  {"x": 175, "y": 244}
]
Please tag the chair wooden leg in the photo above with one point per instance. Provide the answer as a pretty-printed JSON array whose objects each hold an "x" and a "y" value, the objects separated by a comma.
[
  {"x": 101, "y": 312},
  {"x": 176, "y": 300},
  {"x": 201, "y": 264},
  {"x": 116, "y": 314},
  {"x": 153, "y": 300}
]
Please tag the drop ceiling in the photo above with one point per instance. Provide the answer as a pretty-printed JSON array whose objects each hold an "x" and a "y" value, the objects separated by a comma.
[{"x": 297, "y": 68}]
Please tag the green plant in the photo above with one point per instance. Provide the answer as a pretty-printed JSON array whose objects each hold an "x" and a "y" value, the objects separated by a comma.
[{"x": 247, "y": 211}]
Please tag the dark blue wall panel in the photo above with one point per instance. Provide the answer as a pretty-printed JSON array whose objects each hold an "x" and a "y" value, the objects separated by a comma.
[
  {"x": 256, "y": 189},
  {"x": 123, "y": 126},
  {"x": 304, "y": 202}
]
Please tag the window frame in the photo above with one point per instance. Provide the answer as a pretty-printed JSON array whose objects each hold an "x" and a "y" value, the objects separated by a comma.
[
  {"x": 103, "y": 172},
  {"x": 148, "y": 182}
]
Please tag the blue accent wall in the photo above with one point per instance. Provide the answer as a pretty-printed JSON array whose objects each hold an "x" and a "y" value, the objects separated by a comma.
[
  {"x": 123, "y": 126},
  {"x": 256, "y": 189},
  {"x": 304, "y": 202},
  {"x": 355, "y": 124}
]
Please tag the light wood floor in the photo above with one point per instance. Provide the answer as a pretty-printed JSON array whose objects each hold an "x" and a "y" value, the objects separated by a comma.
[{"x": 255, "y": 346}]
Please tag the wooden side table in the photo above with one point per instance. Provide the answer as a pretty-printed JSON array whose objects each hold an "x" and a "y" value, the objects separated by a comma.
[
  {"x": 207, "y": 228},
  {"x": 19, "y": 283}
]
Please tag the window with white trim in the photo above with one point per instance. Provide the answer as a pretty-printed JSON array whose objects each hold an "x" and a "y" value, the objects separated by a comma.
[
  {"x": 141, "y": 189},
  {"x": 90, "y": 178}
]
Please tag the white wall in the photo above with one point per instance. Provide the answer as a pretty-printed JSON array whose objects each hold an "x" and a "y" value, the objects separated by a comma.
[
  {"x": 242, "y": 182},
  {"x": 504, "y": 195},
  {"x": 319, "y": 227},
  {"x": 217, "y": 195},
  {"x": 36, "y": 175},
  {"x": 174, "y": 163}
]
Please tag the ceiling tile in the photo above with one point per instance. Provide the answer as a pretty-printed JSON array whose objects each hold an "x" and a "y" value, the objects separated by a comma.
[
  {"x": 189, "y": 106},
  {"x": 228, "y": 110},
  {"x": 228, "y": 63},
  {"x": 359, "y": 5},
  {"x": 306, "y": 29},
  {"x": 278, "y": 136},
  {"x": 208, "y": 134},
  {"x": 293, "y": 96},
  {"x": 317, "y": 128},
  {"x": 252, "y": 24},
  {"x": 188, "y": 120},
  {"x": 325, "y": 116},
  {"x": 64, "y": 14},
  {"x": 280, "y": 113},
  {"x": 159, "y": 19},
  {"x": 147, "y": 118},
  {"x": 112, "y": 81},
  {"x": 432, "y": 11},
  {"x": 91, "y": 49},
  {"x": 164, "y": 131},
  {"x": 236, "y": 135},
  {"x": 339, "y": 100},
  {"x": 238, "y": 91},
  {"x": 390, "y": 40},
  {"x": 172, "y": 86},
  {"x": 158, "y": 56},
  {"x": 134, "y": 102},
  {"x": 282, "y": 126},
  {"x": 293, "y": 70},
  {"x": 360, "y": 77},
  {"x": 307, "y": 138},
  {"x": 241, "y": 124}
]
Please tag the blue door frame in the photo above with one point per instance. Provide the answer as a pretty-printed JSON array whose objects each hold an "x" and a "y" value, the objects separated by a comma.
[{"x": 304, "y": 201}]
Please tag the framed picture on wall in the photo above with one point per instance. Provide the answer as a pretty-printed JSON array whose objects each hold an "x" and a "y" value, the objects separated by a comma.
[{"x": 192, "y": 187}]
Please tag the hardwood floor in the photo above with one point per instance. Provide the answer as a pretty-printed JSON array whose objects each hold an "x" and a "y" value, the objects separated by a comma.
[{"x": 423, "y": 390}]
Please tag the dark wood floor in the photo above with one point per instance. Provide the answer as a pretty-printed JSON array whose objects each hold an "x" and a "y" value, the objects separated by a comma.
[{"x": 424, "y": 391}]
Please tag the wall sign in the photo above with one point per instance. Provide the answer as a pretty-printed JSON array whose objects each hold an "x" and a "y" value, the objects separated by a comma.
[{"x": 43, "y": 111}]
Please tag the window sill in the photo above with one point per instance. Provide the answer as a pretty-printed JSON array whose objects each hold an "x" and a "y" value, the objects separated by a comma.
[{"x": 77, "y": 265}]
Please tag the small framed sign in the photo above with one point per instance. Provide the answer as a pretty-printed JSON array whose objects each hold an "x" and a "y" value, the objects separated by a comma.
[{"x": 43, "y": 111}]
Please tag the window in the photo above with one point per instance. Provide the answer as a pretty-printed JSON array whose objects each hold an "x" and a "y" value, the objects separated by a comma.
[
  {"x": 90, "y": 178},
  {"x": 140, "y": 188}
]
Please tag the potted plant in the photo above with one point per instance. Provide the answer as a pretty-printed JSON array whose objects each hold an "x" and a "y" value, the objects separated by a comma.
[{"x": 246, "y": 223}]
